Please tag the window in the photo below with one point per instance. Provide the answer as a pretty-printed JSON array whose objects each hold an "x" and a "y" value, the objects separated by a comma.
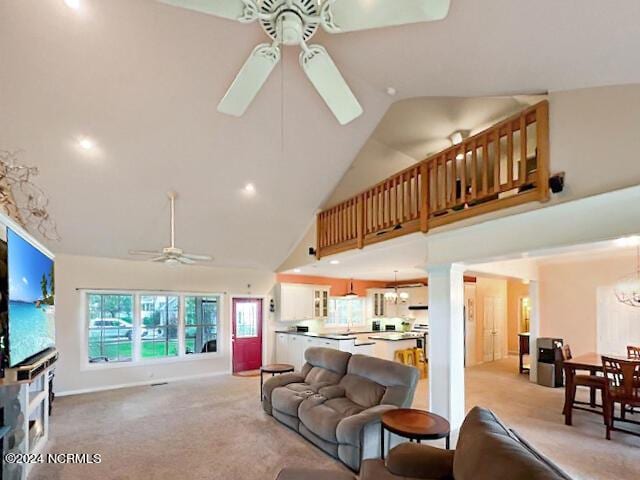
[
  {"x": 201, "y": 324},
  {"x": 346, "y": 312},
  {"x": 130, "y": 327},
  {"x": 110, "y": 328},
  {"x": 246, "y": 319},
  {"x": 159, "y": 322}
]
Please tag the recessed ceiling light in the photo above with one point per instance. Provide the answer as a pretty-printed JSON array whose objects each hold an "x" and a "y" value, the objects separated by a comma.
[
  {"x": 74, "y": 4},
  {"x": 249, "y": 189},
  {"x": 296, "y": 270},
  {"x": 334, "y": 262},
  {"x": 391, "y": 91},
  {"x": 86, "y": 143}
]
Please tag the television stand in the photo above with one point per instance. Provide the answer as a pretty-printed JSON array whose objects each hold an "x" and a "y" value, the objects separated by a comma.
[{"x": 29, "y": 386}]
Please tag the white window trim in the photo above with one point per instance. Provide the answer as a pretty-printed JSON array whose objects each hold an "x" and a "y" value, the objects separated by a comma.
[
  {"x": 340, "y": 326},
  {"x": 136, "y": 358}
]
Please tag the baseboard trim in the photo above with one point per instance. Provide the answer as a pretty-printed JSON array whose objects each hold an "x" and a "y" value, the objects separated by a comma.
[{"x": 143, "y": 383}]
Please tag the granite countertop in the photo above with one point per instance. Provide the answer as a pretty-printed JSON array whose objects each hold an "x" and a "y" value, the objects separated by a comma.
[
  {"x": 318, "y": 335},
  {"x": 396, "y": 337}
]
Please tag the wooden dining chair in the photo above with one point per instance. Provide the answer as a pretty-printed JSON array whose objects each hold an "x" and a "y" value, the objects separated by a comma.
[
  {"x": 633, "y": 352},
  {"x": 593, "y": 382},
  {"x": 623, "y": 387}
]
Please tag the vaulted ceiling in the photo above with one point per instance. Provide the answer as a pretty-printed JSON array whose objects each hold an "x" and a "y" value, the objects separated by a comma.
[{"x": 143, "y": 79}]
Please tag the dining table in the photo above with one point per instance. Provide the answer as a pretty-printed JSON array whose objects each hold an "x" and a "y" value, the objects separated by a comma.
[{"x": 590, "y": 362}]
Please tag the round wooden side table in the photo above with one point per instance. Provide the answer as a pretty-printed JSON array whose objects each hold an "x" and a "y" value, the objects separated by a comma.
[
  {"x": 274, "y": 369},
  {"x": 415, "y": 425}
]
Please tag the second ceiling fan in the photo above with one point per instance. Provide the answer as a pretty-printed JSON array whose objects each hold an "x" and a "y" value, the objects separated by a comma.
[{"x": 295, "y": 22}]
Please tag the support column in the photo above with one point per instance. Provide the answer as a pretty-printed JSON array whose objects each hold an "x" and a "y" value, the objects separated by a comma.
[
  {"x": 534, "y": 330},
  {"x": 446, "y": 344}
]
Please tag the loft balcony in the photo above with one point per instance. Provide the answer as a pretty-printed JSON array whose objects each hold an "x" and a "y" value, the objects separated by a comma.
[{"x": 498, "y": 168}]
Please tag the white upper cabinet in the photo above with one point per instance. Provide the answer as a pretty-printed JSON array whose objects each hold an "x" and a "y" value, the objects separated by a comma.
[
  {"x": 297, "y": 302},
  {"x": 376, "y": 305}
]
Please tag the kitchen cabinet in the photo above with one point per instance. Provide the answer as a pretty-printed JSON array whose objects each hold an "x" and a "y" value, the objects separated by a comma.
[
  {"x": 290, "y": 347},
  {"x": 282, "y": 348},
  {"x": 295, "y": 302},
  {"x": 320, "y": 303},
  {"x": 376, "y": 302},
  {"x": 298, "y": 302}
]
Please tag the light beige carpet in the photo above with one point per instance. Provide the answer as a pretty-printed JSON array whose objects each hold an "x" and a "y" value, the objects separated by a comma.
[{"x": 215, "y": 429}]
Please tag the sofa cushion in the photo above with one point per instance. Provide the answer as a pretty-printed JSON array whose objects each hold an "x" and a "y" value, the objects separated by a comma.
[
  {"x": 328, "y": 359},
  {"x": 313, "y": 474},
  {"x": 287, "y": 400},
  {"x": 421, "y": 461},
  {"x": 487, "y": 450},
  {"x": 399, "y": 381},
  {"x": 361, "y": 390},
  {"x": 322, "y": 416}
]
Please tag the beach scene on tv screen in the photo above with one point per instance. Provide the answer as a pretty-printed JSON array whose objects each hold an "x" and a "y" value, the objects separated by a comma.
[{"x": 31, "y": 300}]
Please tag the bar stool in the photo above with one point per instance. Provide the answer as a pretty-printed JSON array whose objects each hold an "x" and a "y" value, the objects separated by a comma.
[
  {"x": 593, "y": 382},
  {"x": 421, "y": 362},
  {"x": 406, "y": 357}
]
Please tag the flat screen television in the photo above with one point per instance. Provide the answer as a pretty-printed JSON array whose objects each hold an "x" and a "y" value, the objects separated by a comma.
[{"x": 31, "y": 285}]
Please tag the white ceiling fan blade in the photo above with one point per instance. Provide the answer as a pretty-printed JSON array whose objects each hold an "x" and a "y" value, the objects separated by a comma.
[
  {"x": 231, "y": 9},
  {"x": 203, "y": 258},
  {"x": 184, "y": 260},
  {"x": 145, "y": 252},
  {"x": 161, "y": 258},
  {"x": 328, "y": 81},
  {"x": 351, "y": 15},
  {"x": 249, "y": 81}
]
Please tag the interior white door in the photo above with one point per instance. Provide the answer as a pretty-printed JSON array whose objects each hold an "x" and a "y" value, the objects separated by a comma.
[
  {"x": 470, "y": 324},
  {"x": 493, "y": 329}
]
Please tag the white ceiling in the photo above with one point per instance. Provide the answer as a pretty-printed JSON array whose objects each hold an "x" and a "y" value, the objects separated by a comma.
[
  {"x": 422, "y": 126},
  {"x": 143, "y": 80}
]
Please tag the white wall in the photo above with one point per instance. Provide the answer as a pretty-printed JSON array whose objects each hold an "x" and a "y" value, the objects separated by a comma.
[
  {"x": 577, "y": 303},
  {"x": 95, "y": 273}
]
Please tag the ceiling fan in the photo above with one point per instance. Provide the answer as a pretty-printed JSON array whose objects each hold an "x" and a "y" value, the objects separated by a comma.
[
  {"x": 171, "y": 254},
  {"x": 295, "y": 22}
]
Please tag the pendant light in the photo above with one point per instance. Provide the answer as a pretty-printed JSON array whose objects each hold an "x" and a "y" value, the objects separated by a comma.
[
  {"x": 627, "y": 290},
  {"x": 351, "y": 293},
  {"x": 395, "y": 296}
]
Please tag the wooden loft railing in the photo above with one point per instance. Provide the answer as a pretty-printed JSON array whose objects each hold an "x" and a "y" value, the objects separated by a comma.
[{"x": 503, "y": 166}]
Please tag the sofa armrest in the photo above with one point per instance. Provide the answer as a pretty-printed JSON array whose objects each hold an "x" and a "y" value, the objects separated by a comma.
[
  {"x": 420, "y": 461},
  {"x": 350, "y": 428},
  {"x": 332, "y": 391},
  {"x": 280, "y": 381}
]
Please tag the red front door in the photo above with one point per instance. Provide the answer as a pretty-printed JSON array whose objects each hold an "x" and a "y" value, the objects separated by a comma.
[{"x": 247, "y": 334}]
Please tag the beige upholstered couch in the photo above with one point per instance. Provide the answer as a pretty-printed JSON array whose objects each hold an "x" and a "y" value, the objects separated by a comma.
[
  {"x": 337, "y": 399},
  {"x": 486, "y": 450}
]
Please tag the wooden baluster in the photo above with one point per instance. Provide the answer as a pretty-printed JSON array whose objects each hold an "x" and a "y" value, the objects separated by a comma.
[
  {"x": 496, "y": 163},
  {"x": 542, "y": 144},
  {"x": 424, "y": 197},
  {"x": 509, "y": 156},
  {"x": 416, "y": 192},
  {"x": 485, "y": 166},
  {"x": 360, "y": 215},
  {"x": 522, "y": 178},
  {"x": 402, "y": 199},
  {"x": 454, "y": 179},
  {"x": 474, "y": 171},
  {"x": 445, "y": 189},
  {"x": 463, "y": 176}
]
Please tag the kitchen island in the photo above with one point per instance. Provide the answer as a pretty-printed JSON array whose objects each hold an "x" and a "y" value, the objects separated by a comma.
[
  {"x": 388, "y": 343},
  {"x": 291, "y": 344}
]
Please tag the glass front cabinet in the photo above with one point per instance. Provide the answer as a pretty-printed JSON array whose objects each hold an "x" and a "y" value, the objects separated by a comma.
[{"x": 321, "y": 303}]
